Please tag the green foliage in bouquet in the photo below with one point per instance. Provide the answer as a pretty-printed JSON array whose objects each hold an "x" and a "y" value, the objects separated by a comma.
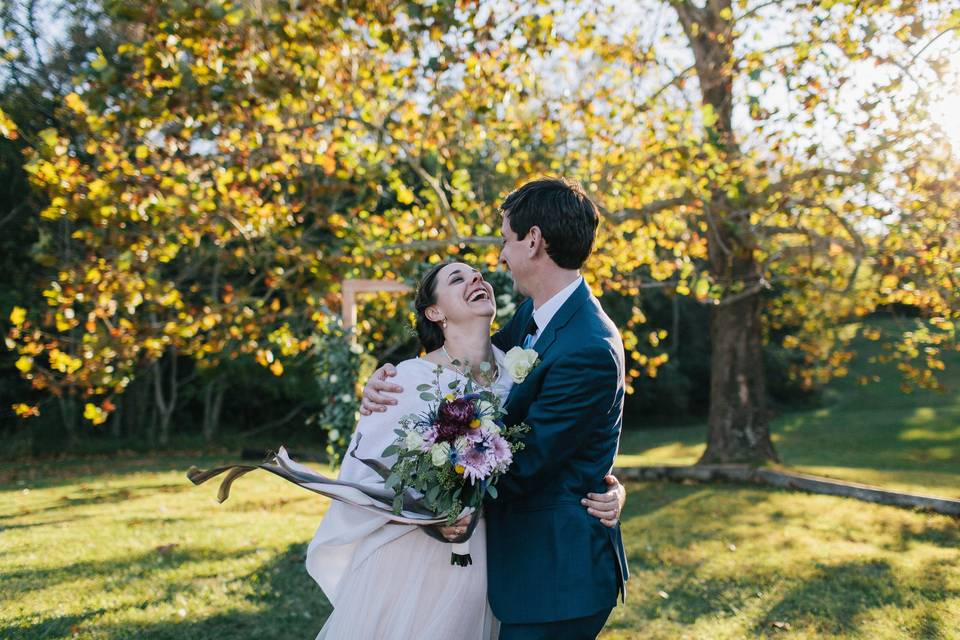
[{"x": 453, "y": 453}]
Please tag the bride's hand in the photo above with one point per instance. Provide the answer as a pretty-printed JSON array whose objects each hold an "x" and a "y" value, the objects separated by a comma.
[
  {"x": 455, "y": 530},
  {"x": 373, "y": 398}
]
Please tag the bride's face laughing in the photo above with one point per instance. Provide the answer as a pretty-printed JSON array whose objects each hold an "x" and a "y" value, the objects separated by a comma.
[{"x": 462, "y": 295}]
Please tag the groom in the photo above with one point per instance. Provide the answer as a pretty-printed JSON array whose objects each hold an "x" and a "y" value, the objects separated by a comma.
[{"x": 553, "y": 570}]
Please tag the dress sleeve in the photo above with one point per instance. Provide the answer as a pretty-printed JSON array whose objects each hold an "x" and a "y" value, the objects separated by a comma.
[{"x": 348, "y": 534}]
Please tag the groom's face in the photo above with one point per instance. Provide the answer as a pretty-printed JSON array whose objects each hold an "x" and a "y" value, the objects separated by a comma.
[{"x": 513, "y": 255}]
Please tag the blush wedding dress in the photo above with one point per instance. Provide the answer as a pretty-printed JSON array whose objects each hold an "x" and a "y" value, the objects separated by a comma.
[{"x": 391, "y": 581}]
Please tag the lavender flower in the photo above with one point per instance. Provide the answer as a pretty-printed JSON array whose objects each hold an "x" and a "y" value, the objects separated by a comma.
[{"x": 477, "y": 465}]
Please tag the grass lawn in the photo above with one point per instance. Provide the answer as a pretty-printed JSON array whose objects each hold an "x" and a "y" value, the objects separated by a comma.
[{"x": 102, "y": 548}]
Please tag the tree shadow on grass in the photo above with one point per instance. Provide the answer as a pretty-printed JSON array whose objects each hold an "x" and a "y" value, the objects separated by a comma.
[
  {"x": 46, "y": 523},
  {"x": 942, "y": 533},
  {"x": 59, "y": 627},
  {"x": 125, "y": 570},
  {"x": 85, "y": 496},
  {"x": 834, "y": 600},
  {"x": 287, "y": 604},
  {"x": 679, "y": 511},
  {"x": 73, "y": 471}
]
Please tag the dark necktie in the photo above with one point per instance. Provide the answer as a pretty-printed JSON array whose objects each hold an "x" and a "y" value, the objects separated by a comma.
[{"x": 530, "y": 331}]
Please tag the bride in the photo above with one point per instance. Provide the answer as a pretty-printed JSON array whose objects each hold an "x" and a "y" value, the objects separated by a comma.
[{"x": 391, "y": 581}]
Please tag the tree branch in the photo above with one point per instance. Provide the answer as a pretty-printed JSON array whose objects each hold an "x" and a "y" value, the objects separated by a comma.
[
  {"x": 439, "y": 243},
  {"x": 651, "y": 208},
  {"x": 782, "y": 185},
  {"x": 932, "y": 40},
  {"x": 760, "y": 7}
]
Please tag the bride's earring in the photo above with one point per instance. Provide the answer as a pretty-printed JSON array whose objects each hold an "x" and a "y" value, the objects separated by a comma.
[{"x": 443, "y": 323}]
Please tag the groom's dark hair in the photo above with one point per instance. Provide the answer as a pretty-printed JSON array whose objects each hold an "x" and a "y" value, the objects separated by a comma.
[{"x": 566, "y": 216}]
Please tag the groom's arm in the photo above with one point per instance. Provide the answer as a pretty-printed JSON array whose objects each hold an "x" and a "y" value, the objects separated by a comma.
[{"x": 577, "y": 393}]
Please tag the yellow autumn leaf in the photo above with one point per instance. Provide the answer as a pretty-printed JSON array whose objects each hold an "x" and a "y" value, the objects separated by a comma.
[
  {"x": 702, "y": 288},
  {"x": 8, "y": 128},
  {"x": 24, "y": 410},
  {"x": 142, "y": 152},
  {"x": 276, "y": 368},
  {"x": 404, "y": 196},
  {"x": 100, "y": 62},
  {"x": 94, "y": 414},
  {"x": 17, "y": 316},
  {"x": 64, "y": 362},
  {"x": 49, "y": 137},
  {"x": 75, "y": 103},
  {"x": 24, "y": 363}
]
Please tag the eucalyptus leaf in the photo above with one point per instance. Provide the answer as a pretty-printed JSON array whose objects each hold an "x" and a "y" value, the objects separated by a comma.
[
  {"x": 429, "y": 397},
  {"x": 423, "y": 387}
]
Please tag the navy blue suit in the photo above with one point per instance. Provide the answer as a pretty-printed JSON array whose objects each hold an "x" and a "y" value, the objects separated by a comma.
[{"x": 548, "y": 560}]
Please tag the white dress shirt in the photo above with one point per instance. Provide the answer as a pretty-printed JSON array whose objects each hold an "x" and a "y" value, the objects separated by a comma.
[{"x": 548, "y": 309}]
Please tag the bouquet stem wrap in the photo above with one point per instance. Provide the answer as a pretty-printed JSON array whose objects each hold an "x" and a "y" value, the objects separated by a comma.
[{"x": 461, "y": 554}]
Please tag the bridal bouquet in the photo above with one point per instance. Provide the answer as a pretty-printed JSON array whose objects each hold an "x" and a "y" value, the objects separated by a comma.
[
  {"x": 448, "y": 457},
  {"x": 452, "y": 454}
]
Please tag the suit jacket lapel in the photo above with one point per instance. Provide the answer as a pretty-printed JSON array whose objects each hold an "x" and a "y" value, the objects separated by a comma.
[{"x": 549, "y": 334}]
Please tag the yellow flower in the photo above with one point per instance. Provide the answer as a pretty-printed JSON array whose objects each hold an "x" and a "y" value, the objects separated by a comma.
[
  {"x": 459, "y": 468},
  {"x": 474, "y": 423}
]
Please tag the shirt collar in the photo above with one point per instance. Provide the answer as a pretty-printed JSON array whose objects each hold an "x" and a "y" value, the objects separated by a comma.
[{"x": 548, "y": 309}]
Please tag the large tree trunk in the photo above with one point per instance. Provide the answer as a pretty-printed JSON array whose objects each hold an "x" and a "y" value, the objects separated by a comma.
[{"x": 739, "y": 421}]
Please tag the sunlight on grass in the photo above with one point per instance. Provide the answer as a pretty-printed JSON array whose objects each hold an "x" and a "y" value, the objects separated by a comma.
[
  {"x": 146, "y": 554},
  {"x": 721, "y": 561}
]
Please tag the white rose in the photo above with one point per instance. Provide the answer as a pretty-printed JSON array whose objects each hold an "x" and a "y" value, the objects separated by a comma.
[
  {"x": 440, "y": 453},
  {"x": 520, "y": 362},
  {"x": 489, "y": 425},
  {"x": 413, "y": 441}
]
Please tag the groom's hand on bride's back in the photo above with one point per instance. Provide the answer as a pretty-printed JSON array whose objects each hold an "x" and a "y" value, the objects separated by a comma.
[{"x": 374, "y": 392}]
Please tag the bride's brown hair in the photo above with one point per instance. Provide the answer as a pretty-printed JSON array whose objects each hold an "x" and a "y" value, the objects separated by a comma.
[{"x": 429, "y": 332}]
